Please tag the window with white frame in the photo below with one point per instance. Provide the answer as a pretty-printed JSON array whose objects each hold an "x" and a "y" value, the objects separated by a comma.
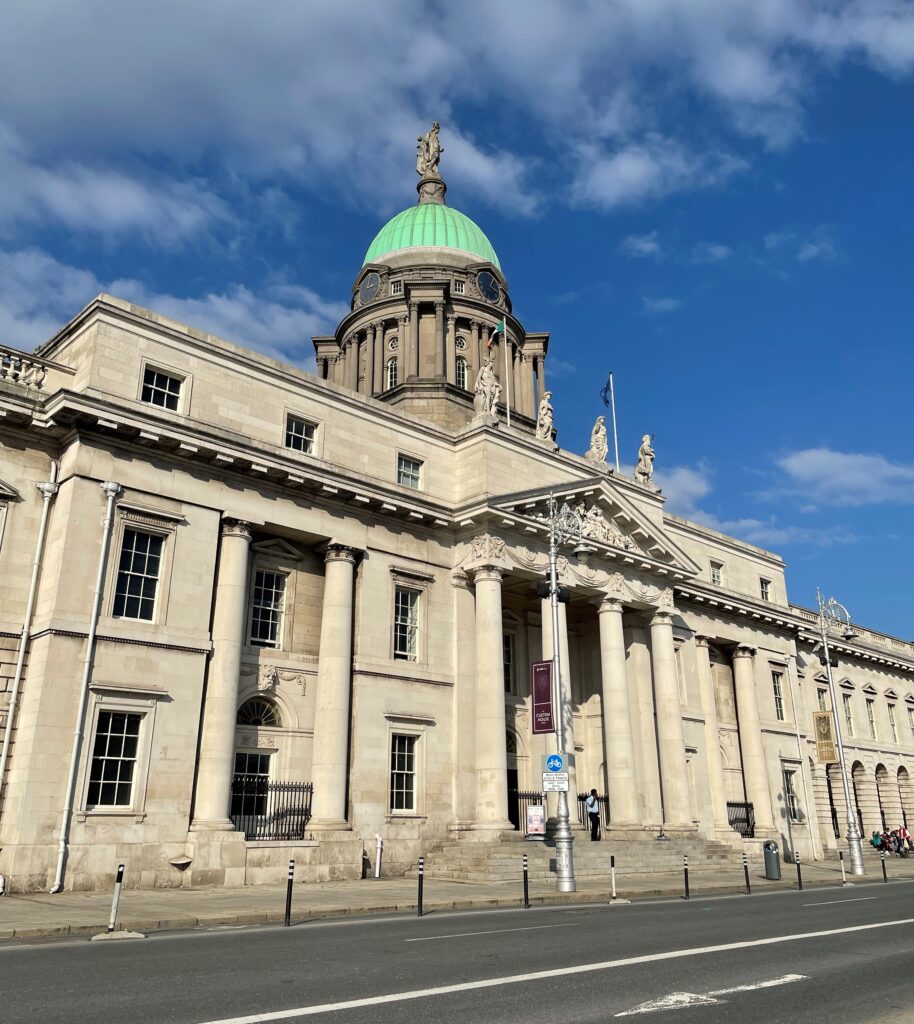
[
  {"x": 461, "y": 373},
  {"x": 459, "y": 287},
  {"x": 790, "y": 794},
  {"x": 848, "y": 714},
  {"x": 893, "y": 727},
  {"x": 409, "y": 472},
  {"x": 406, "y": 623},
  {"x": 160, "y": 388},
  {"x": 507, "y": 648},
  {"x": 822, "y": 699},
  {"x": 300, "y": 434},
  {"x": 392, "y": 372},
  {"x": 113, "y": 769},
  {"x": 268, "y": 597},
  {"x": 871, "y": 717},
  {"x": 717, "y": 573},
  {"x": 396, "y": 287},
  {"x": 764, "y": 588},
  {"x": 138, "y": 572},
  {"x": 403, "y": 772},
  {"x": 777, "y": 685}
]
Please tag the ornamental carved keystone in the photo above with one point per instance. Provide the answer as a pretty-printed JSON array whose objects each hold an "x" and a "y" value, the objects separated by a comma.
[
  {"x": 485, "y": 546},
  {"x": 615, "y": 586},
  {"x": 665, "y": 598}
]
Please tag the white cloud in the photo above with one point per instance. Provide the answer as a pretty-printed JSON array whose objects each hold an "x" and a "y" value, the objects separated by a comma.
[
  {"x": 710, "y": 252},
  {"x": 38, "y": 294},
  {"x": 823, "y": 476},
  {"x": 803, "y": 245},
  {"x": 822, "y": 250},
  {"x": 665, "y": 305},
  {"x": 641, "y": 246}
]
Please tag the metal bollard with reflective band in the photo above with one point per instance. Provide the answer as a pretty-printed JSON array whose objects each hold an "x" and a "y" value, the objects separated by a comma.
[
  {"x": 421, "y": 884},
  {"x": 685, "y": 873},
  {"x": 288, "y": 918}
]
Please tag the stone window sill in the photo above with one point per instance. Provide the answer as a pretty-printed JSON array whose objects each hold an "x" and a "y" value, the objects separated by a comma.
[{"x": 84, "y": 816}]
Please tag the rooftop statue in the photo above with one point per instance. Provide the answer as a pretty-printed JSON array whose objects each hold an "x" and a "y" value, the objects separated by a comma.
[
  {"x": 545, "y": 418},
  {"x": 645, "y": 468},
  {"x": 599, "y": 445},
  {"x": 488, "y": 390},
  {"x": 428, "y": 152}
]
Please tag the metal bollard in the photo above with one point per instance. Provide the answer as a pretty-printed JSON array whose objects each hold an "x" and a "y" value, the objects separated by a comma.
[
  {"x": 885, "y": 877},
  {"x": 421, "y": 884},
  {"x": 843, "y": 872},
  {"x": 378, "y": 853},
  {"x": 796, "y": 857},
  {"x": 288, "y": 918},
  {"x": 526, "y": 886},
  {"x": 685, "y": 873},
  {"x": 612, "y": 871},
  {"x": 746, "y": 873},
  {"x": 117, "y": 897}
]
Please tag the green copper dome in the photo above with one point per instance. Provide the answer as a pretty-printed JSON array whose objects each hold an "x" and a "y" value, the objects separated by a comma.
[{"x": 431, "y": 225}]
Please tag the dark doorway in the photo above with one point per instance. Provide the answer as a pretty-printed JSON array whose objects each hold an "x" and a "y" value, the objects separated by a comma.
[{"x": 513, "y": 804}]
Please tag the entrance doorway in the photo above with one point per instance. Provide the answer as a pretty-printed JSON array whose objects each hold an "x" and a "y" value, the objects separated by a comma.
[{"x": 513, "y": 802}]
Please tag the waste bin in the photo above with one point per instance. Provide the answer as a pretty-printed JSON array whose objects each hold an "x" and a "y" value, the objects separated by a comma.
[{"x": 772, "y": 860}]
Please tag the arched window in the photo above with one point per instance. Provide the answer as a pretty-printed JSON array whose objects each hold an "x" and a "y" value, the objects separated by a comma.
[
  {"x": 392, "y": 372},
  {"x": 258, "y": 711},
  {"x": 461, "y": 373}
]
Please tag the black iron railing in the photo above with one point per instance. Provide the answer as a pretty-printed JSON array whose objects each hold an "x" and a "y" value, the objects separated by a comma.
[
  {"x": 270, "y": 810},
  {"x": 741, "y": 816},
  {"x": 602, "y": 800}
]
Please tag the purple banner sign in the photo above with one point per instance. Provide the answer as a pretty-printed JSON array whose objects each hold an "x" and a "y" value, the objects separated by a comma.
[{"x": 541, "y": 688}]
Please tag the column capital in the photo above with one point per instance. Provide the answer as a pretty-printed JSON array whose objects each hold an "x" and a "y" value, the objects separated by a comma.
[
  {"x": 451, "y": 320},
  {"x": 403, "y": 320},
  {"x": 702, "y": 641},
  {"x": 610, "y": 603},
  {"x": 439, "y": 305},
  {"x": 475, "y": 324},
  {"x": 340, "y": 553},
  {"x": 413, "y": 305},
  {"x": 487, "y": 574},
  {"x": 237, "y": 528},
  {"x": 744, "y": 651},
  {"x": 663, "y": 617},
  {"x": 460, "y": 580}
]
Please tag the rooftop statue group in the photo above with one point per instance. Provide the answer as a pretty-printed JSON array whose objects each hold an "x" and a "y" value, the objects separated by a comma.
[
  {"x": 488, "y": 390},
  {"x": 599, "y": 448},
  {"x": 428, "y": 152}
]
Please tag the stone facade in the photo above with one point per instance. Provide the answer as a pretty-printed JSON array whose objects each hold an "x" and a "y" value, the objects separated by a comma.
[{"x": 332, "y": 579}]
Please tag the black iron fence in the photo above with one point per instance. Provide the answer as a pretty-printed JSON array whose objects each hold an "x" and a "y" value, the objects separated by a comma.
[
  {"x": 270, "y": 810},
  {"x": 602, "y": 800},
  {"x": 741, "y": 816}
]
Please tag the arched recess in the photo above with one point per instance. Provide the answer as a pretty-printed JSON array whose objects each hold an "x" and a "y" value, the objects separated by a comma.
[
  {"x": 836, "y": 805},
  {"x": 905, "y": 796},
  {"x": 858, "y": 791},
  {"x": 882, "y": 787}
]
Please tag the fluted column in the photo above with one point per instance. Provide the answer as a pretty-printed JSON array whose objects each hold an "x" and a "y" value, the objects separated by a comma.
[
  {"x": 618, "y": 741},
  {"x": 451, "y": 350},
  {"x": 755, "y": 771},
  {"x": 412, "y": 368},
  {"x": 712, "y": 736},
  {"x": 670, "y": 742},
  {"x": 440, "y": 353},
  {"x": 378, "y": 358},
  {"x": 491, "y": 749},
  {"x": 330, "y": 758},
  {"x": 217, "y": 742}
]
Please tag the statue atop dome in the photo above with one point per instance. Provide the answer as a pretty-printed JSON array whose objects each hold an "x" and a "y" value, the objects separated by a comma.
[{"x": 431, "y": 188}]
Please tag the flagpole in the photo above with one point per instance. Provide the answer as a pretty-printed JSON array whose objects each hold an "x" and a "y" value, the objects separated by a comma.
[
  {"x": 612, "y": 399},
  {"x": 504, "y": 335}
]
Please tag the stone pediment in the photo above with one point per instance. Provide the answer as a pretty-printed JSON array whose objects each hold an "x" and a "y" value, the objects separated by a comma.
[
  {"x": 8, "y": 493},
  {"x": 612, "y": 525},
  {"x": 276, "y": 547}
]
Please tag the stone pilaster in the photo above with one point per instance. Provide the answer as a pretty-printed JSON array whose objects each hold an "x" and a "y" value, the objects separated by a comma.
[
  {"x": 755, "y": 771},
  {"x": 491, "y": 749},
  {"x": 670, "y": 742},
  {"x": 713, "y": 759},
  {"x": 334, "y": 683},
  {"x": 621, "y": 777},
  {"x": 217, "y": 742}
]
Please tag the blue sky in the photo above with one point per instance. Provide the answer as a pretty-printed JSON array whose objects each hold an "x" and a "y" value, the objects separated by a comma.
[{"x": 712, "y": 198}]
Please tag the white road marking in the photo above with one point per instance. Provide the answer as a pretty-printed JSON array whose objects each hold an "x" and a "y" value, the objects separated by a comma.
[
  {"x": 680, "y": 1000},
  {"x": 558, "y": 972},
  {"x": 826, "y": 903},
  {"x": 493, "y": 931}
]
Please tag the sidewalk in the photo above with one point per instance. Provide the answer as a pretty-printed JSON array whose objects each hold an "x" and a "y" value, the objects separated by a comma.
[{"x": 37, "y": 915}]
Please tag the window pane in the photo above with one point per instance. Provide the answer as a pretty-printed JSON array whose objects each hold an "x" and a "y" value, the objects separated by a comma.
[
  {"x": 114, "y": 753},
  {"x": 403, "y": 773},
  {"x": 300, "y": 435},
  {"x": 160, "y": 389},
  {"x": 138, "y": 575},
  {"x": 408, "y": 471},
  {"x": 267, "y": 602},
  {"x": 406, "y": 623}
]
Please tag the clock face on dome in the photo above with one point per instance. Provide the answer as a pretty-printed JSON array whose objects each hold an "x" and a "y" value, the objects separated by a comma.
[
  {"x": 369, "y": 287},
  {"x": 488, "y": 285}
]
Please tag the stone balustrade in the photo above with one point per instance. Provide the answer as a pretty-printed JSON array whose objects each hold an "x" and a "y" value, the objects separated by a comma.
[{"x": 21, "y": 368}]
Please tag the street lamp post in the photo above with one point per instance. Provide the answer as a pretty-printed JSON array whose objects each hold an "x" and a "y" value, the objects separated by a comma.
[
  {"x": 564, "y": 526},
  {"x": 833, "y": 615}
]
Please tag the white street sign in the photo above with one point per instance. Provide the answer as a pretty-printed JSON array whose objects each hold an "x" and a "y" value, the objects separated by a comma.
[{"x": 555, "y": 782}]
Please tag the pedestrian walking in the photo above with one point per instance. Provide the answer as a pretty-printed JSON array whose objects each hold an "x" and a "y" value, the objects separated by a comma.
[{"x": 593, "y": 811}]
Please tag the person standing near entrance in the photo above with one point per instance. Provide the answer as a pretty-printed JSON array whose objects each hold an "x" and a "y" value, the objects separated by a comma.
[{"x": 593, "y": 811}]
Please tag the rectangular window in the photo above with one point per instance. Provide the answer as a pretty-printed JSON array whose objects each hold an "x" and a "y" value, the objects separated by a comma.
[
  {"x": 249, "y": 784},
  {"x": 765, "y": 588},
  {"x": 396, "y": 287},
  {"x": 507, "y": 644},
  {"x": 267, "y": 602},
  {"x": 871, "y": 717},
  {"x": 892, "y": 724},
  {"x": 822, "y": 696},
  {"x": 138, "y": 575},
  {"x": 403, "y": 773},
  {"x": 300, "y": 434},
  {"x": 114, "y": 755},
  {"x": 408, "y": 472},
  {"x": 161, "y": 389},
  {"x": 790, "y": 793},
  {"x": 459, "y": 287},
  {"x": 848, "y": 715},
  {"x": 406, "y": 623},
  {"x": 777, "y": 679},
  {"x": 717, "y": 573}
]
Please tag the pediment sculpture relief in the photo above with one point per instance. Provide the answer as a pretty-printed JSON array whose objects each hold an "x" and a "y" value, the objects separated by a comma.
[{"x": 595, "y": 526}]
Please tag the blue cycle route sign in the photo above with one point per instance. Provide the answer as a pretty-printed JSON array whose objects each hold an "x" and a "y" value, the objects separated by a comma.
[{"x": 555, "y": 762}]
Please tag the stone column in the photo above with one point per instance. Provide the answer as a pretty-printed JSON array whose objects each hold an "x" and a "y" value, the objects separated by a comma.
[
  {"x": 528, "y": 386},
  {"x": 475, "y": 362},
  {"x": 378, "y": 379},
  {"x": 755, "y": 771},
  {"x": 540, "y": 378},
  {"x": 674, "y": 784},
  {"x": 491, "y": 749},
  {"x": 353, "y": 362},
  {"x": 368, "y": 386},
  {"x": 464, "y": 640},
  {"x": 330, "y": 759},
  {"x": 412, "y": 368},
  {"x": 451, "y": 350},
  {"x": 520, "y": 398},
  {"x": 566, "y": 710},
  {"x": 712, "y": 737},
  {"x": 440, "y": 352},
  {"x": 618, "y": 743},
  {"x": 217, "y": 742}
]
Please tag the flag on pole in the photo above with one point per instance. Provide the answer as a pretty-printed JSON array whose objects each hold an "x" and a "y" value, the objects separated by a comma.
[
  {"x": 501, "y": 328},
  {"x": 604, "y": 391}
]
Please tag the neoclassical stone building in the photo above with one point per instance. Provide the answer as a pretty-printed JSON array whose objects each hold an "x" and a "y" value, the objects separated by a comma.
[{"x": 248, "y": 613}]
